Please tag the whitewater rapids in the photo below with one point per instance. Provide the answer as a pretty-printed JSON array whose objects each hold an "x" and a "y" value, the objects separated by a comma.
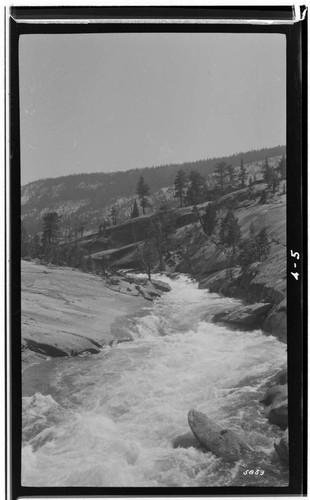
[{"x": 109, "y": 419}]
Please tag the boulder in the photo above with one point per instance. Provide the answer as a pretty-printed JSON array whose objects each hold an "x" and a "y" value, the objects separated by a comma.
[
  {"x": 145, "y": 294},
  {"x": 278, "y": 414},
  {"x": 277, "y": 405},
  {"x": 161, "y": 285},
  {"x": 223, "y": 443},
  {"x": 274, "y": 393},
  {"x": 187, "y": 440},
  {"x": 279, "y": 378},
  {"x": 114, "y": 280},
  {"x": 250, "y": 316},
  {"x": 136, "y": 280},
  {"x": 281, "y": 446},
  {"x": 150, "y": 288}
]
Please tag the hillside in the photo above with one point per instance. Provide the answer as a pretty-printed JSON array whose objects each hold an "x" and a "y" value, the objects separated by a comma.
[{"x": 88, "y": 198}]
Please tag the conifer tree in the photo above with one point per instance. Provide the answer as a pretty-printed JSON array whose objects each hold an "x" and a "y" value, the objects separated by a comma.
[
  {"x": 248, "y": 248},
  {"x": 282, "y": 167},
  {"x": 230, "y": 173},
  {"x": 209, "y": 219},
  {"x": 274, "y": 180},
  {"x": 267, "y": 173},
  {"x": 196, "y": 188},
  {"x": 263, "y": 197},
  {"x": 142, "y": 190},
  {"x": 262, "y": 244},
  {"x": 242, "y": 173},
  {"x": 230, "y": 231},
  {"x": 135, "y": 210},
  {"x": 180, "y": 185},
  {"x": 114, "y": 215},
  {"x": 220, "y": 174},
  {"x": 51, "y": 222}
]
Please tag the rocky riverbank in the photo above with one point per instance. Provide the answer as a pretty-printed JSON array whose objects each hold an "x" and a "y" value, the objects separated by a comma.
[
  {"x": 261, "y": 285},
  {"x": 57, "y": 321},
  {"x": 206, "y": 435}
]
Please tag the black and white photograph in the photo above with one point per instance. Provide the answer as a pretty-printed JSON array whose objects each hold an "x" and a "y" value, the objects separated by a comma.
[{"x": 154, "y": 266}]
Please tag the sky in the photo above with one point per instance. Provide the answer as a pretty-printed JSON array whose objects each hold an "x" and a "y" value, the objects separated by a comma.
[{"x": 107, "y": 102}]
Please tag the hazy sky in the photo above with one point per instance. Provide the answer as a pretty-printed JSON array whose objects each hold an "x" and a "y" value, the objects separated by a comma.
[{"x": 107, "y": 102}]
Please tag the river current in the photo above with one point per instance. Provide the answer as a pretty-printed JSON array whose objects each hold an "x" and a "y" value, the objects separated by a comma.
[{"x": 109, "y": 419}]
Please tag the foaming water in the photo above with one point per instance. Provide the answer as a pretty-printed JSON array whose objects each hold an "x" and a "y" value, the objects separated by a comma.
[{"x": 110, "y": 418}]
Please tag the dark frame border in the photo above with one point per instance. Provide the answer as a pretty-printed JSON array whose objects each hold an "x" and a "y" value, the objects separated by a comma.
[{"x": 296, "y": 36}]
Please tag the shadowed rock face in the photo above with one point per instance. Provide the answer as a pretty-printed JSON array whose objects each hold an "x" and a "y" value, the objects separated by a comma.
[
  {"x": 247, "y": 316},
  {"x": 282, "y": 448},
  {"x": 223, "y": 443},
  {"x": 276, "y": 401},
  {"x": 187, "y": 440}
]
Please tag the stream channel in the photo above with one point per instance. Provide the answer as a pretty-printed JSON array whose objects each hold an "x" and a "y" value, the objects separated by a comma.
[{"x": 109, "y": 419}]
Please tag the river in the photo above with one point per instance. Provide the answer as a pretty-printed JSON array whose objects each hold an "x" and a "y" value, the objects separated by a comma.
[{"x": 109, "y": 419}]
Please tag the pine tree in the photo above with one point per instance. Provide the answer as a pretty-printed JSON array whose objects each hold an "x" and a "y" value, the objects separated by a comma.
[
  {"x": 242, "y": 174},
  {"x": 51, "y": 222},
  {"x": 209, "y": 219},
  {"x": 267, "y": 172},
  {"x": 220, "y": 174},
  {"x": 230, "y": 173},
  {"x": 195, "y": 189},
  {"x": 149, "y": 256},
  {"x": 262, "y": 244},
  {"x": 135, "y": 210},
  {"x": 230, "y": 231},
  {"x": 274, "y": 180},
  {"x": 142, "y": 190},
  {"x": 114, "y": 215},
  {"x": 81, "y": 228},
  {"x": 263, "y": 197},
  {"x": 158, "y": 234},
  {"x": 180, "y": 185},
  {"x": 282, "y": 167}
]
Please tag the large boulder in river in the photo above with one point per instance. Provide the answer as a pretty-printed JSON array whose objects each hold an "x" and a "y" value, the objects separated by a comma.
[
  {"x": 250, "y": 316},
  {"x": 278, "y": 414},
  {"x": 282, "y": 447},
  {"x": 276, "y": 402},
  {"x": 145, "y": 294},
  {"x": 161, "y": 285},
  {"x": 187, "y": 440},
  {"x": 223, "y": 443},
  {"x": 275, "y": 394},
  {"x": 279, "y": 378}
]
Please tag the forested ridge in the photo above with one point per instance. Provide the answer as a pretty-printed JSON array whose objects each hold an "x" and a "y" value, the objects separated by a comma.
[{"x": 105, "y": 187}]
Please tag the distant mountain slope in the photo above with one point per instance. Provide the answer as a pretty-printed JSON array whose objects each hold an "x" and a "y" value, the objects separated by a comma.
[{"x": 89, "y": 197}]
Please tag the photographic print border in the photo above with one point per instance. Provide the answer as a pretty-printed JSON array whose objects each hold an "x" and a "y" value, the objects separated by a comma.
[{"x": 160, "y": 19}]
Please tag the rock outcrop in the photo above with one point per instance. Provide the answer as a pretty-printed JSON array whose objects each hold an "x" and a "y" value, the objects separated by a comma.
[
  {"x": 223, "y": 443},
  {"x": 131, "y": 285},
  {"x": 249, "y": 317},
  {"x": 260, "y": 282},
  {"x": 275, "y": 400},
  {"x": 54, "y": 321},
  {"x": 281, "y": 446}
]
